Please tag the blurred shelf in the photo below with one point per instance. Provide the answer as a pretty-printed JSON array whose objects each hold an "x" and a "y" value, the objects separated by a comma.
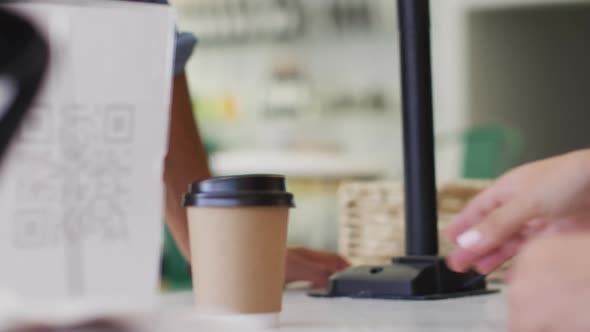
[{"x": 221, "y": 23}]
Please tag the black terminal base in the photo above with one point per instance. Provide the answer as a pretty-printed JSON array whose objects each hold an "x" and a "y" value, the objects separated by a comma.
[{"x": 408, "y": 278}]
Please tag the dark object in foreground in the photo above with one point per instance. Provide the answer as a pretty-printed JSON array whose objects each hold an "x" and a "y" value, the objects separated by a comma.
[
  {"x": 24, "y": 56},
  {"x": 408, "y": 278}
]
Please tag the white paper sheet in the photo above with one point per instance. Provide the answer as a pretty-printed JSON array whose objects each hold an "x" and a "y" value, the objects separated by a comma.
[{"x": 81, "y": 190}]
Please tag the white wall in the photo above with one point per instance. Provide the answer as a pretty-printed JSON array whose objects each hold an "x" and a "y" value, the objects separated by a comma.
[{"x": 530, "y": 69}]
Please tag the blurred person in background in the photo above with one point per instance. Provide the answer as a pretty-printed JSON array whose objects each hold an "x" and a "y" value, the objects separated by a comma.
[
  {"x": 540, "y": 211},
  {"x": 186, "y": 162}
]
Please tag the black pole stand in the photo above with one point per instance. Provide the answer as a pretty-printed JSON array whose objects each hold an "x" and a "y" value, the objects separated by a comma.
[{"x": 422, "y": 274}]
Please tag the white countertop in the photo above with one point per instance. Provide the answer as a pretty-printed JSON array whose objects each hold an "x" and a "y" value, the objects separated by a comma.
[
  {"x": 175, "y": 313},
  {"x": 485, "y": 313}
]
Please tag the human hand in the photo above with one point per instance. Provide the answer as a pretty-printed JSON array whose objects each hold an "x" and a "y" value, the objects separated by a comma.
[
  {"x": 550, "y": 285},
  {"x": 312, "y": 265},
  {"x": 543, "y": 196}
]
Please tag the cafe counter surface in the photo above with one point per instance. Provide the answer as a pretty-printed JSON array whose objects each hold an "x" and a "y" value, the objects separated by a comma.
[{"x": 486, "y": 313}]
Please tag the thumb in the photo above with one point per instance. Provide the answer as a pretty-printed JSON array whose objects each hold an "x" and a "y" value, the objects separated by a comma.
[{"x": 498, "y": 227}]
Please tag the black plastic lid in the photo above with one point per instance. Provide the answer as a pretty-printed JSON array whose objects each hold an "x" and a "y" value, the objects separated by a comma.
[{"x": 242, "y": 190}]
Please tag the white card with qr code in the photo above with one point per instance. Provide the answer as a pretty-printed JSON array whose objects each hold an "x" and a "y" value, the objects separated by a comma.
[{"x": 81, "y": 193}]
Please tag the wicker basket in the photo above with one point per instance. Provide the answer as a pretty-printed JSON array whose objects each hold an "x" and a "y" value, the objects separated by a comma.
[{"x": 372, "y": 224}]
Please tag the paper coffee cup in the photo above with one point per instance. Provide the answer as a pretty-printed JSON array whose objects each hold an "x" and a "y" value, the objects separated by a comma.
[{"x": 238, "y": 232}]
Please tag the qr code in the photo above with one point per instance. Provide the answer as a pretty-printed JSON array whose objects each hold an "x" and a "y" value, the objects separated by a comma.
[{"x": 73, "y": 183}]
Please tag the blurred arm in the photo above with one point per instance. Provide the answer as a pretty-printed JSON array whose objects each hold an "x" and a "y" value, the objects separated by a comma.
[{"x": 186, "y": 161}]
